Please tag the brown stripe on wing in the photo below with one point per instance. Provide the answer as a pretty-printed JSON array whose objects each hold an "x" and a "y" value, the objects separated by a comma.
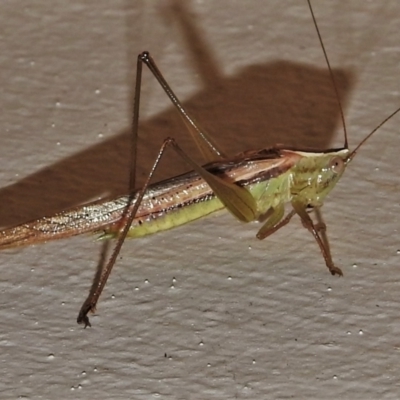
[{"x": 255, "y": 166}]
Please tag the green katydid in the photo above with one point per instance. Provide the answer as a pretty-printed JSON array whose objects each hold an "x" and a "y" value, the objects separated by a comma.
[{"x": 253, "y": 186}]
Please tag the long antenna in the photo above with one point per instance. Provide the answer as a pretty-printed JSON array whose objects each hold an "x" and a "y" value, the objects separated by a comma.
[
  {"x": 354, "y": 152},
  {"x": 346, "y": 144}
]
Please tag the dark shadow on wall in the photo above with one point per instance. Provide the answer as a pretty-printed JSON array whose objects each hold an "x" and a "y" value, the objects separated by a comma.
[{"x": 274, "y": 103}]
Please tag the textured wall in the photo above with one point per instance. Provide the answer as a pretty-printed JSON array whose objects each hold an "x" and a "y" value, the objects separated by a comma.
[{"x": 205, "y": 311}]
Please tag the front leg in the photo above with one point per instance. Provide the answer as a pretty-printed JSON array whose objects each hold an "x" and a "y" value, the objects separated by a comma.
[
  {"x": 319, "y": 233},
  {"x": 274, "y": 222}
]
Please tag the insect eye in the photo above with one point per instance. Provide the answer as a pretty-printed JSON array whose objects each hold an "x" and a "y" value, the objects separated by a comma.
[{"x": 336, "y": 165}]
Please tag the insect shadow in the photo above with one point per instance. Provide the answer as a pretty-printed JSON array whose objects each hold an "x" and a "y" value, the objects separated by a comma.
[{"x": 261, "y": 105}]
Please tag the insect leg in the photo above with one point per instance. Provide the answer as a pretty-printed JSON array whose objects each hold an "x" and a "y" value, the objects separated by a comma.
[
  {"x": 237, "y": 199},
  {"x": 308, "y": 223},
  {"x": 275, "y": 222},
  {"x": 102, "y": 275},
  {"x": 320, "y": 226},
  {"x": 207, "y": 146}
]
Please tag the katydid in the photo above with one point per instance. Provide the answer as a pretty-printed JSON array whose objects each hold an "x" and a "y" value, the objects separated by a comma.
[{"x": 253, "y": 186}]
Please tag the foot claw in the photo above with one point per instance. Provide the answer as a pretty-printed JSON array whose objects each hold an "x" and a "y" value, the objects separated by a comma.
[
  {"x": 82, "y": 316},
  {"x": 335, "y": 270},
  {"x": 83, "y": 319}
]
